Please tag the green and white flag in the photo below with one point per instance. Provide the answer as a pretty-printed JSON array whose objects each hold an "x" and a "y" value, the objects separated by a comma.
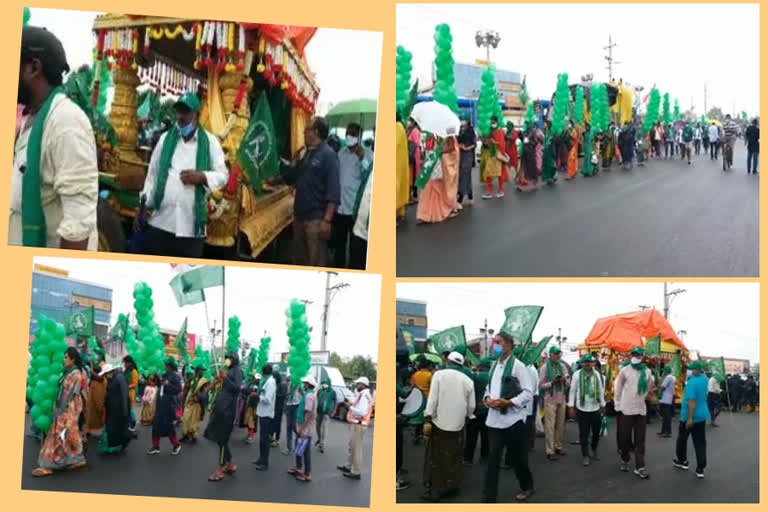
[
  {"x": 181, "y": 341},
  {"x": 717, "y": 367},
  {"x": 532, "y": 354},
  {"x": 257, "y": 153},
  {"x": 189, "y": 283},
  {"x": 676, "y": 365},
  {"x": 653, "y": 346},
  {"x": 520, "y": 322},
  {"x": 81, "y": 322},
  {"x": 449, "y": 340},
  {"x": 118, "y": 331}
]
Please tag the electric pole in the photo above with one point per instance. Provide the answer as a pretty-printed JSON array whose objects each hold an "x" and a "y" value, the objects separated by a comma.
[
  {"x": 485, "y": 331},
  {"x": 611, "y": 61},
  {"x": 330, "y": 292},
  {"x": 560, "y": 338},
  {"x": 667, "y": 295}
]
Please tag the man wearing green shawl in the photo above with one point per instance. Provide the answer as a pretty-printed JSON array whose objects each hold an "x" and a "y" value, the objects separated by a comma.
[
  {"x": 633, "y": 385},
  {"x": 586, "y": 401},
  {"x": 554, "y": 379},
  {"x": 186, "y": 165},
  {"x": 54, "y": 181},
  {"x": 326, "y": 402}
]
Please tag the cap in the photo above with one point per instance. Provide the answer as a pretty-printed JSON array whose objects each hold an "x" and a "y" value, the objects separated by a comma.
[
  {"x": 555, "y": 350},
  {"x": 455, "y": 357},
  {"x": 588, "y": 359},
  {"x": 638, "y": 351},
  {"x": 364, "y": 381},
  {"x": 695, "y": 365},
  {"x": 106, "y": 369},
  {"x": 37, "y": 42},
  {"x": 170, "y": 361},
  {"x": 310, "y": 380},
  {"x": 189, "y": 100}
]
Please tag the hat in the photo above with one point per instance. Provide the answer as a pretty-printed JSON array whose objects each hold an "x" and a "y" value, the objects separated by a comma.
[
  {"x": 455, "y": 357},
  {"x": 363, "y": 381},
  {"x": 695, "y": 365},
  {"x": 555, "y": 350},
  {"x": 189, "y": 100},
  {"x": 37, "y": 42},
  {"x": 588, "y": 359},
  {"x": 310, "y": 380},
  {"x": 170, "y": 361},
  {"x": 107, "y": 368},
  {"x": 638, "y": 351}
]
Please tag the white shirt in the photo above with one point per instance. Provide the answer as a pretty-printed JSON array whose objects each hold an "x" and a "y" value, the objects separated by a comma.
[
  {"x": 590, "y": 404},
  {"x": 69, "y": 175},
  {"x": 361, "y": 403},
  {"x": 177, "y": 211},
  {"x": 266, "y": 405},
  {"x": 626, "y": 398},
  {"x": 535, "y": 391},
  {"x": 518, "y": 411},
  {"x": 350, "y": 177},
  {"x": 363, "y": 215},
  {"x": 697, "y": 133},
  {"x": 713, "y": 385},
  {"x": 713, "y": 133},
  {"x": 451, "y": 399}
]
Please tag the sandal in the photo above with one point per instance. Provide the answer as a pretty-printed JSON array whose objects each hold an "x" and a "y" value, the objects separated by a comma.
[
  {"x": 230, "y": 469},
  {"x": 301, "y": 477},
  {"x": 217, "y": 476},
  {"x": 76, "y": 465},
  {"x": 294, "y": 471},
  {"x": 523, "y": 496},
  {"x": 42, "y": 472}
]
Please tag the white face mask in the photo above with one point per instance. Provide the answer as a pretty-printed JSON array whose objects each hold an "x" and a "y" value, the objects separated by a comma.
[
  {"x": 352, "y": 141},
  {"x": 636, "y": 360}
]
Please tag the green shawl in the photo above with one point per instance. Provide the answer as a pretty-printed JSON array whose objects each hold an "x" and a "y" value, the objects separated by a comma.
[
  {"x": 552, "y": 372},
  {"x": 588, "y": 385},
  {"x": 642, "y": 382},
  {"x": 203, "y": 163},
  {"x": 34, "y": 231}
]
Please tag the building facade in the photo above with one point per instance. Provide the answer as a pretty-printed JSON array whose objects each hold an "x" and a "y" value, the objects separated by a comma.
[
  {"x": 412, "y": 319},
  {"x": 732, "y": 365}
]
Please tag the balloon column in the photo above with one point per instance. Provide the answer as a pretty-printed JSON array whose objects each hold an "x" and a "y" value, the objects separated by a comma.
[
  {"x": 298, "y": 338},
  {"x": 152, "y": 348},
  {"x": 45, "y": 370},
  {"x": 600, "y": 109},
  {"x": 578, "y": 110},
  {"x": 530, "y": 117},
  {"x": 403, "y": 68},
  {"x": 703, "y": 120},
  {"x": 250, "y": 361},
  {"x": 667, "y": 113},
  {"x": 27, "y": 15},
  {"x": 263, "y": 358},
  {"x": 652, "y": 114},
  {"x": 487, "y": 103},
  {"x": 96, "y": 350},
  {"x": 445, "y": 88},
  {"x": 562, "y": 104},
  {"x": 233, "y": 335},
  {"x": 202, "y": 361},
  {"x": 677, "y": 110}
]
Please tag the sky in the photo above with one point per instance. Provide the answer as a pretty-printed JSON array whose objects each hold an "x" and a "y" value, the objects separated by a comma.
[
  {"x": 259, "y": 297},
  {"x": 719, "y": 318},
  {"x": 679, "y": 47},
  {"x": 363, "y": 48}
]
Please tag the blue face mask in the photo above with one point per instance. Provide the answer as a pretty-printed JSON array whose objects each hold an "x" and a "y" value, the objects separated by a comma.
[
  {"x": 186, "y": 130},
  {"x": 497, "y": 350}
]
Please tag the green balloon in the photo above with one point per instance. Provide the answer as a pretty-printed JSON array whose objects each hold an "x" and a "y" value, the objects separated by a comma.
[
  {"x": 43, "y": 423},
  {"x": 53, "y": 380},
  {"x": 35, "y": 411},
  {"x": 46, "y": 405}
]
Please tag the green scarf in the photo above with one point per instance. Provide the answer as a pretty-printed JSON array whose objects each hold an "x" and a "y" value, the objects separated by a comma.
[
  {"x": 552, "y": 372},
  {"x": 203, "y": 163},
  {"x": 34, "y": 231},
  {"x": 642, "y": 382},
  {"x": 588, "y": 386},
  {"x": 365, "y": 174}
]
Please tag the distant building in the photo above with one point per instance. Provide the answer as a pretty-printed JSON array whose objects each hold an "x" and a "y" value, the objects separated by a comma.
[
  {"x": 732, "y": 364},
  {"x": 412, "y": 319}
]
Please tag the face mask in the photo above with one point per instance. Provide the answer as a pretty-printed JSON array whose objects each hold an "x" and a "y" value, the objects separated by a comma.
[
  {"x": 227, "y": 362},
  {"x": 636, "y": 360},
  {"x": 325, "y": 386},
  {"x": 497, "y": 350},
  {"x": 186, "y": 130},
  {"x": 352, "y": 141},
  {"x": 494, "y": 125}
]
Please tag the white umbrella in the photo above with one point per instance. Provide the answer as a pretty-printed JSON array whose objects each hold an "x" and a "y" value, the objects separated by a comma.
[{"x": 436, "y": 118}]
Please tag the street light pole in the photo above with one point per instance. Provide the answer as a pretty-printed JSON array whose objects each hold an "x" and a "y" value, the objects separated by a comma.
[
  {"x": 487, "y": 39},
  {"x": 326, "y": 307},
  {"x": 667, "y": 296}
]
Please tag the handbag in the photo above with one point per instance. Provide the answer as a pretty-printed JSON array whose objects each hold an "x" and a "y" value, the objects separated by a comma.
[{"x": 301, "y": 445}]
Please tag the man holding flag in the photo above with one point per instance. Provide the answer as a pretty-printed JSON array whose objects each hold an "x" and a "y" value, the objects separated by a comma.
[{"x": 554, "y": 379}]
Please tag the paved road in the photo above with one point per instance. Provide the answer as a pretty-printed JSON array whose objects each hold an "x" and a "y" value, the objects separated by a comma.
[
  {"x": 185, "y": 475},
  {"x": 732, "y": 475},
  {"x": 662, "y": 220}
]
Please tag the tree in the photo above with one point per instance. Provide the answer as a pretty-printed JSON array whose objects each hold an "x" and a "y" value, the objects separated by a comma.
[{"x": 358, "y": 366}]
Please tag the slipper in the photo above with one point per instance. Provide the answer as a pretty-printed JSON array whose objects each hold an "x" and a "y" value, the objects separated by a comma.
[
  {"x": 294, "y": 471},
  {"x": 303, "y": 478},
  {"x": 217, "y": 476},
  {"x": 76, "y": 465},
  {"x": 230, "y": 469},
  {"x": 42, "y": 472}
]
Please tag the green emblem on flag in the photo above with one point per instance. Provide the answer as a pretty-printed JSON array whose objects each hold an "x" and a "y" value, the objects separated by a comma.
[
  {"x": 520, "y": 322},
  {"x": 258, "y": 149},
  {"x": 81, "y": 322},
  {"x": 449, "y": 340},
  {"x": 188, "y": 287}
]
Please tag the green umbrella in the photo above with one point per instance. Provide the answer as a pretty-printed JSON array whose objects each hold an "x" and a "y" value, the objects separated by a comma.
[
  {"x": 362, "y": 111},
  {"x": 429, "y": 357}
]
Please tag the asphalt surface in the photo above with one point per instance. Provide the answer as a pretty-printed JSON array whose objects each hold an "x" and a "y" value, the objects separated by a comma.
[
  {"x": 666, "y": 219},
  {"x": 732, "y": 474},
  {"x": 186, "y": 475}
]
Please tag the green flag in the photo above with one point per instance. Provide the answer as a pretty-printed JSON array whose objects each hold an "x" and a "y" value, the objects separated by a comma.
[
  {"x": 676, "y": 365},
  {"x": 717, "y": 367},
  {"x": 188, "y": 286},
  {"x": 520, "y": 322},
  {"x": 532, "y": 354},
  {"x": 181, "y": 341},
  {"x": 449, "y": 340},
  {"x": 80, "y": 322},
  {"x": 410, "y": 102},
  {"x": 118, "y": 331},
  {"x": 470, "y": 357},
  {"x": 257, "y": 153},
  {"x": 653, "y": 346}
]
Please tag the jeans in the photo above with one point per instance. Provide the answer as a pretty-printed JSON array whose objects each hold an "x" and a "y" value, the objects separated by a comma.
[
  {"x": 669, "y": 149},
  {"x": 714, "y": 148},
  {"x": 290, "y": 424},
  {"x": 265, "y": 436},
  {"x": 588, "y": 422},
  {"x": 666, "y": 418},
  {"x": 632, "y": 429},
  {"x": 713, "y": 403},
  {"x": 340, "y": 240},
  {"x": 277, "y": 423},
  {"x": 306, "y": 458},
  {"x": 225, "y": 456},
  {"x": 515, "y": 440},
  {"x": 321, "y": 426},
  {"x": 476, "y": 428},
  {"x": 752, "y": 160},
  {"x": 698, "y": 433}
]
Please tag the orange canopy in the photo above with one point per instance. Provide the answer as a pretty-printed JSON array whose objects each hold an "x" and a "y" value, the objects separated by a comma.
[{"x": 624, "y": 332}]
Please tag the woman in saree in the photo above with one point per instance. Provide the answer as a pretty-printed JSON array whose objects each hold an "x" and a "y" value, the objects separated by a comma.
[
  {"x": 148, "y": 401},
  {"x": 402, "y": 175},
  {"x": 194, "y": 406},
  {"x": 132, "y": 377},
  {"x": 573, "y": 152},
  {"x": 95, "y": 414},
  {"x": 438, "y": 199},
  {"x": 63, "y": 444},
  {"x": 414, "y": 141},
  {"x": 533, "y": 154}
]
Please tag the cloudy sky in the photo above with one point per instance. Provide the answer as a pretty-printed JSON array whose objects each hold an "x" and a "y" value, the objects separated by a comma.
[
  {"x": 720, "y": 318},
  {"x": 259, "y": 297},
  {"x": 680, "y": 47},
  {"x": 363, "y": 48}
]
